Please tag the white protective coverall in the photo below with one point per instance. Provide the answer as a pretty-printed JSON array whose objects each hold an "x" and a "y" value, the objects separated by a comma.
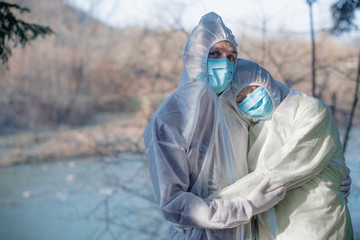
[
  {"x": 298, "y": 146},
  {"x": 191, "y": 154}
]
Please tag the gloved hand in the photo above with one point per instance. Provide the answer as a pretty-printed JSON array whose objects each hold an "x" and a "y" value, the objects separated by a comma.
[
  {"x": 346, "y": 185},
  {"x": 261, "y": 201}
]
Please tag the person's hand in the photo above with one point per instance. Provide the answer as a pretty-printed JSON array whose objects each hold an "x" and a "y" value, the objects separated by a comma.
[
  {"x": 346, "y": 186},
  {"x": 261, "y": 201}
]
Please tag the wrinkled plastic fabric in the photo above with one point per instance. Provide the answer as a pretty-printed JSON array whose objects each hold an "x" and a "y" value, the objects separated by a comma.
[
  {"x": 191, "y": 153},
  {"x": 298, "y": 146}
]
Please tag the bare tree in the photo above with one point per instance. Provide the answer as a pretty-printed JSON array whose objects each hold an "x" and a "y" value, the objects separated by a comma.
[
  {"x": 313, "y": 45},
  {"x": 352, "y": 113},
  {"x": 343, "y": 13}
]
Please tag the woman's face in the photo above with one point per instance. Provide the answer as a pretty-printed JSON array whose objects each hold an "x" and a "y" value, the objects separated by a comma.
[
  {"x": 223, "y": 49},
  {"x": 245, "y": 92}
]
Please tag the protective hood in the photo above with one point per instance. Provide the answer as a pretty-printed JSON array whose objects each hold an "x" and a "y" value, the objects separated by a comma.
[
  {"x": 190, "y": 152},
  {"x": 209, "y": 31},
  {"x": 250, "y": 73}
]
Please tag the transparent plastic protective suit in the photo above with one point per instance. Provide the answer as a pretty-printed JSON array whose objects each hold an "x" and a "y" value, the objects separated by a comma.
[
  {"x": 190, "y": 152},
  {"x": 298, "y": 146}
]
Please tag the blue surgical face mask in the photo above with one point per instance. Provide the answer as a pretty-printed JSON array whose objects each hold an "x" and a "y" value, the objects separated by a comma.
[
  {"x": 258, "y": 104},
  {"x": 221, "y": 72}
]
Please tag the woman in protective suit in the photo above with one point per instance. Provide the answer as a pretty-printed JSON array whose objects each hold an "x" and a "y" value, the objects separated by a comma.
[
  {"x": 191, "y": 153},
  {"x": 294, "y": 140}
]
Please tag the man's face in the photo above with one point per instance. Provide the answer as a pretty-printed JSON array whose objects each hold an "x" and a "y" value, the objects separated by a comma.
[
  {"x": 223, "y": 49},
  {"x": 244, "y": 93}
]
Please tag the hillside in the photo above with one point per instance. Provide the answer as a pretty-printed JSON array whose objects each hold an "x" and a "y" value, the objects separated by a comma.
[{"x": 89, "y": 69}]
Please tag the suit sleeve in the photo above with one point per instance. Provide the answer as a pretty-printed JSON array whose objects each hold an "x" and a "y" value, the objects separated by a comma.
[{"x": 169, "y": 171}]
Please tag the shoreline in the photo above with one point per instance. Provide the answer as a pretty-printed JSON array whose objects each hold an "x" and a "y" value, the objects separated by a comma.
[
  {"x": 96, "y": 140},
  {"x": 102, "y": 139}
]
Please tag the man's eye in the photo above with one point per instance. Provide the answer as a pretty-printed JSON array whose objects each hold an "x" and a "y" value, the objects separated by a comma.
[{"x": 212, "y": 54}]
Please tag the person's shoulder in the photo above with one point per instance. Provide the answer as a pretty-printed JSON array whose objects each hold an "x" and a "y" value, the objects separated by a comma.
[
  {"x": 164, "y": 124},
  {"x": 306, "y": 103},
  {"x": 171, "y": 113},
  {"x": 311, "y": 100},
  {"x": 167, "y": 110},
  {"x": 179, "y": 113}
]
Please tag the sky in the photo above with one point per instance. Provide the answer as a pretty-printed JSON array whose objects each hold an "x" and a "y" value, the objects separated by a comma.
[{"x": 289, "y": 15}]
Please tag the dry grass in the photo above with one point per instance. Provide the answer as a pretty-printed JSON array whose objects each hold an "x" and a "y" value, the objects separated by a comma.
[{"x": 102, "y": 139}]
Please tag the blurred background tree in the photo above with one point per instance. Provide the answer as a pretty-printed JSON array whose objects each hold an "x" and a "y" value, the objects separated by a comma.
[
  {"x": 343, "y": 13},
  {"x": 15, "y": 31}
]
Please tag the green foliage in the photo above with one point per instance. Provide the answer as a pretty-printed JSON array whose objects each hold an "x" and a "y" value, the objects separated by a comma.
[
  {"x": 343, "y": 13},
  {"x": 16, "y": 30}
]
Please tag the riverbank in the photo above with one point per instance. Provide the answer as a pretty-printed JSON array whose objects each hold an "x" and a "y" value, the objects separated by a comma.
[
  {"x": 108, "y": 136},
  {"x": 101, "y": 139}
]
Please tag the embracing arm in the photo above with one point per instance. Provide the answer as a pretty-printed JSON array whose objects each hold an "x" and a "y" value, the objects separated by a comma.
[
  {"x": 305, "y": 154},
  {"x": 170, "y": 171}
]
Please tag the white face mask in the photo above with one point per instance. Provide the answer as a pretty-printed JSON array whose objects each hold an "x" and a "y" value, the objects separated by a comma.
[{"x": 221, "y": 73}]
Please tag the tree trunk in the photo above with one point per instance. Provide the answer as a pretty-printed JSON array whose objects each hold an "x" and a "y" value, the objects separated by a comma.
[
  {"x": 352, "y": 114},
  {"x": 310, "y": 2}
]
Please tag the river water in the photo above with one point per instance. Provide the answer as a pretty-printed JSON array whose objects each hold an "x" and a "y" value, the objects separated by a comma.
[{"x": 101, "y": 198}]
